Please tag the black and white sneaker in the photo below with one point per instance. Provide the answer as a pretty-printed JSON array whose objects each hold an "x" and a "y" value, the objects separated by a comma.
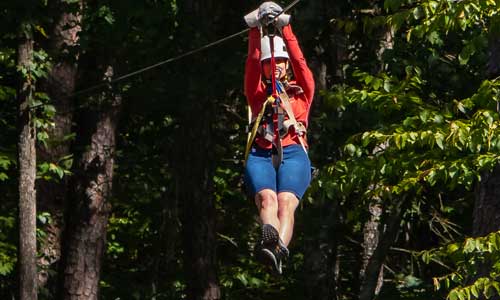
[
  {"x": 271, "y": 250},
  {"x": 267, "y": 257}
]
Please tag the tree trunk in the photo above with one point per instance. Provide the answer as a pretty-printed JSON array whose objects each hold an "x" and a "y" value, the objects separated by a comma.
[
  {"x": 493, "y": 67},
  {"x": 321, "y": 262},
  {"x": 194, "y": 186},
  {"x": 27, "y": 176},
  {"x": 371, "y": 236},
  {"x": 194, "y": 160},
  {"x": 386, "y": 43},
  {"x": 60, "y": 86},
  {"x": 376, "y": 261},
  {"x": 194, "y": 169},
  {"x": 326, "y": 47},
  {"x": 373, "y": 227},
  {"x": 167, "y": 245},
  {"x": 85, "y": 236},
  {"x": 486, "y": 216}
]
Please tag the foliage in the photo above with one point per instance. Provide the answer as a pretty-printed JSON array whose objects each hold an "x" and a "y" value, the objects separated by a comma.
[
  {"x": 8, "y": 162},
  {"x": 469, "y": 259},
  {"x": 430, "y": 135}
]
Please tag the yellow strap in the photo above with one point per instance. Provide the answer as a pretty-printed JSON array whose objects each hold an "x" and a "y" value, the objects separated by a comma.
[{"x": 253, "y": 133}]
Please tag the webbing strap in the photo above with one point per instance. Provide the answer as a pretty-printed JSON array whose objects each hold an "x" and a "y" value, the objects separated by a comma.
[
  {"x": 253, "y": 133},
  {"x": 299, "y": 127},
  {"x": 277, "y": 157},
  {"x": 277, "y": 153}
]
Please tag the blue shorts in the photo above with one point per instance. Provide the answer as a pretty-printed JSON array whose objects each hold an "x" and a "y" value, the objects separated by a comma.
[{"x": 293, "y": 175}]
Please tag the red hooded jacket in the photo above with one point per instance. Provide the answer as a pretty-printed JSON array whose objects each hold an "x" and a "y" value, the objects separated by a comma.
[{"x": 255, "y": 88}]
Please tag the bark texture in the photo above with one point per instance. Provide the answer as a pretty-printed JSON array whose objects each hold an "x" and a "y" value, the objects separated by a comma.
[
  {"x": 493, "y": 67},
  {"x": 60, "y": 85},
  {"x": 486, "y": 215},
  {"x": 194, "y": 184},
  {"x": 374, "y": 249},
  {"x": 386, "y": 43},
  {"x": 27, "y": 176},
  {"x": 371, "y": 236},
  {"x": 321, "y": 262},
  {"x": 372, "y": 271},
  {"x": 167, "y": 246},
  {"x": 89, "y": 211}
]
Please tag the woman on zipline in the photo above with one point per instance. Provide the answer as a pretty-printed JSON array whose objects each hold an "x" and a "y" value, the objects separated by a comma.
[{"x": 278, "y": 170}]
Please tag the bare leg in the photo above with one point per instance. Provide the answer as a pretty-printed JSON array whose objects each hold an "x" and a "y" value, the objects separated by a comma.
[
  {"x": 267, "y": 203},
  {"x": 287, "y": 203}
]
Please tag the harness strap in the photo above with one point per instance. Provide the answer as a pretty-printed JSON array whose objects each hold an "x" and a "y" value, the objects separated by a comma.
[
  {"x": 277, "y": 153},
  {"x": 300, "y": 129},
  {"x": 253, "y": 133}
]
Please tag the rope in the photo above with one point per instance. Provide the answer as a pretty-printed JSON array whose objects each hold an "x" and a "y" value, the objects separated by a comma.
[{"x": 172, "y": 59}]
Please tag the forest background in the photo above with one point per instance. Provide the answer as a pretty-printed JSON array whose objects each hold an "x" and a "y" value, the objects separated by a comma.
[{"x": 139, "y": 185}]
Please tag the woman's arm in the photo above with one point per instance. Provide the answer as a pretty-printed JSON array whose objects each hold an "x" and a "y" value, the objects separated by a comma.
[
  {"x": 253, "y": 86},
  {"x": 302, "y": 73}
]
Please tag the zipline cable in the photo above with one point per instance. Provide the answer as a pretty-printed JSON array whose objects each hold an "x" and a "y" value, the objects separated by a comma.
[
  {"x": 158, "y": 64},
  {"x": 172, "y": 59}
]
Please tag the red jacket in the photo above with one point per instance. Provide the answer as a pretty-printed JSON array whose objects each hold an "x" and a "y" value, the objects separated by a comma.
[{"x": 255, "y": 88}]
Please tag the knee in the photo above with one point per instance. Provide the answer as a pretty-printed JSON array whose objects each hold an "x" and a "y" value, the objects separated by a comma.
[
  {"x": 267, "y": 200},
  {"x": 287, "y": 203}
]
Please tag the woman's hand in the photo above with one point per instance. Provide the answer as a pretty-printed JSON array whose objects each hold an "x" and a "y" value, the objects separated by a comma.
[
  {"x": 265, "y": 16},
  {"x": 268, "y": 12}
]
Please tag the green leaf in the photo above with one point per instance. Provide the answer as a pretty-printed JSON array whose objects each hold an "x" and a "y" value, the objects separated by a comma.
[
  {"x": 466, "y": 53},
  {"x": 351, "y": 149},
  {"x": 418, "y": 13},
  {"x": 439, "y": 140},
  {"x": 434, "y": 38},
  {"x": 474, "y": 291},
  {"x": 453, "y": 295},
  {"x": 387, "y": 86},
  {"x": 433, "y": 5},
  {"x": 424, "y": 115},
  {"x": 106, "y": 13}
]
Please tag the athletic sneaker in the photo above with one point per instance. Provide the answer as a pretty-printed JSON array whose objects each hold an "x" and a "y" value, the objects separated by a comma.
[{"x": 271, "y": 250}]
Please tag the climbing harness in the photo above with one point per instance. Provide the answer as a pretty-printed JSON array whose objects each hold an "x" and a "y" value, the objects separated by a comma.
[{"x": 268, "y": 132}]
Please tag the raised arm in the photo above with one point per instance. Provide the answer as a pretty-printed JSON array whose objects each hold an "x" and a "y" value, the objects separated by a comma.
[
  {"x": 302, "y": 73},
  {"x": 253, "y": 86}
]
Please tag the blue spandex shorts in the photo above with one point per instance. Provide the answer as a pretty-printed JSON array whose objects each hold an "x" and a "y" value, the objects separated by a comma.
[{"x": 293, "y": 175}]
